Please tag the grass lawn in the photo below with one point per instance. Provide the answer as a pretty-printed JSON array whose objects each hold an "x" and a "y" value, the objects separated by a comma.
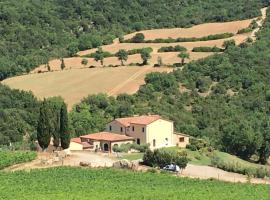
[
  {"x": 68, "y": 183},
  {"x": 132, "y": 156}
]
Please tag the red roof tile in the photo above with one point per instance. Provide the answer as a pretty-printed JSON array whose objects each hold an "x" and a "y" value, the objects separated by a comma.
[
  {"x": 106, "y": 136},
  {"x": 76, "y": 140},
  {"x": 143, "y": 120}
]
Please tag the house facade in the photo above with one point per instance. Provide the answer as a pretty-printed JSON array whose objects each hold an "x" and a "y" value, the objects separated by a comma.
[{"x": 147, "y": 129}]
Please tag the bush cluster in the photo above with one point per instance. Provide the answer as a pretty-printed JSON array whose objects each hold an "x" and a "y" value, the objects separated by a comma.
[
  {"x": 197, "y": 144},
  {"x": 162, "y": 157},
  {"x": 234, "y": 166},
  {"x": 177, "y": 48},
  {"x": 207, "y": 49},
  {"x": 127, "y": 147},
  {"x": 172, "y": 40}
]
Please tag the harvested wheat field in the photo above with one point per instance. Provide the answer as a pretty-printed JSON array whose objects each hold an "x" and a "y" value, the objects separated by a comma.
[
  {"x": 195, "y": 31},
  {"x": 75, "y": 84}
]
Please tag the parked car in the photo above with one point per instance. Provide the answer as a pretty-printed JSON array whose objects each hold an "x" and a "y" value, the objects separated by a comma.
[{"x": 172, "y": 168}]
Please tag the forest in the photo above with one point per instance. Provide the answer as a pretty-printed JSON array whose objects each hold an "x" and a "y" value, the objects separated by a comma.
[
  {"x": 34, "y": 31},
  {"x": 234, "y": 117}
]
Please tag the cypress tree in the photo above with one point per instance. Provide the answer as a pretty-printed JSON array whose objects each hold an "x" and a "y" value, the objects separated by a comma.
[
  {"x": 44, "y": 128},
  {"x": 64, "y": 132}
]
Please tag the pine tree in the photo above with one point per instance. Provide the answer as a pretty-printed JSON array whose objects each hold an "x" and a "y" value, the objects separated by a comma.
[
  {"x": 64, "y": 132},
  {"x": 44, "y": 128}
]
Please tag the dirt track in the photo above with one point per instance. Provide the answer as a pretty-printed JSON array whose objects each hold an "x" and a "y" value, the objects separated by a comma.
[{"x": 206, "y": 172}]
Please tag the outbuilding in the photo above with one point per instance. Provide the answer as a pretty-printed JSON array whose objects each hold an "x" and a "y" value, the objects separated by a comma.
[{"x": 105, "y": 141}]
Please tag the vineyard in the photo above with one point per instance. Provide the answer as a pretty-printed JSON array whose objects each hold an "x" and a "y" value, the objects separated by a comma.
[
  {"x": 76, "y": 183},
  {"x": 8, "y": 158}
]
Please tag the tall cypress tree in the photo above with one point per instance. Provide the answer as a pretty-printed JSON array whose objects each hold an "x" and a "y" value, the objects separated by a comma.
[
  {"x": 64, "y": 132},
  {"x": 44, "y": 128}
]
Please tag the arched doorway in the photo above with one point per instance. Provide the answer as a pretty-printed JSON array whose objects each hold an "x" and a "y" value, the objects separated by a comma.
[{"x": 106, "y": 147}]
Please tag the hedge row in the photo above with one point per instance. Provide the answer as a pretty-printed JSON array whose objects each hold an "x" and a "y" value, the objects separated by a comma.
[{"x": 172, "y": 40}]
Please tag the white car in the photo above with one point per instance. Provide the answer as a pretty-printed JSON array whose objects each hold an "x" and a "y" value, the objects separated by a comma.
[{"x": 172, "y": 168}]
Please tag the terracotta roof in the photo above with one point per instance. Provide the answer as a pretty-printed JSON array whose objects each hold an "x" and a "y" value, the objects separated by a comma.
[
  {"x": 182, "y": 134},
  {"x": 76, "y": 140},
  {"x": 106, "y": 136},
  {"x": 143, "y": 120}
]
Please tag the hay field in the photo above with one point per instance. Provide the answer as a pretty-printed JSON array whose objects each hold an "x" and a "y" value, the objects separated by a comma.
[
  {"x": 75, "y": 84},
  {"x": 195, "y": 31}
]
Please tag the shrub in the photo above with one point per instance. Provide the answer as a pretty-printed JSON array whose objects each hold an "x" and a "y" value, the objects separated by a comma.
[
  {"x": 237, "y": 167},
  {"x": 191, "y": 147},
  {"x": 163, "y": 157},
  {"x": 127, "y": 147},
  {"x": 177, "y": 48},
  {"x": 207, "y": 49},
  {"x": 244, "y": 30},
  {"x": 138, "y": 38}
]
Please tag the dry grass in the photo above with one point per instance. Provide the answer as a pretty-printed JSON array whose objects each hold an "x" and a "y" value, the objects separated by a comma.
[
  {"x": 75, "y": 84},
  {"x": 195, "y": 31}
]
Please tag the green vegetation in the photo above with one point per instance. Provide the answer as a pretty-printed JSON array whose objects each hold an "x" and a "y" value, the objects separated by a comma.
[
  {"x": 53, "y": 122},
  {"x": 127, "y": 147},
  {"x": 162, "y": 157},
  {"x": 74, "y": 183},
  {"x": 145, "y": 55},
  {"x": 122, "y": 55},
  {"x": 32, "y": 32},
  {"x": 233, "y": 164},
  {"x": 207, "y": 49},
  {"x": 177, "y": 48},
  {"x": 132, "y": 156},
  {"x": 18, "y": 117},
  {"x": 183, "y": 56},
  {"x": 171, "y": 40},
  {"x": 8, "y": 158}
]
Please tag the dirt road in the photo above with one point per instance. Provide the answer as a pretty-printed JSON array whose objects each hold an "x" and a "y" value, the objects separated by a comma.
[{"x": 206, "y": 172}]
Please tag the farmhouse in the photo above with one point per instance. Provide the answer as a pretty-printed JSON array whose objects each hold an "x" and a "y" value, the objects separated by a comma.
[{"x": 146, "y": 129}]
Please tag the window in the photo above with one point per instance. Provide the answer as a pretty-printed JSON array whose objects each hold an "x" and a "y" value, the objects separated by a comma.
[
  {"x": 133, "y": 128},
  {"x": 121, "y": 129},
  {"x": 138, "y": 141},
  {"x": 143, "y": 129},
  {"x": 181, "y": 139},
  {"x": 166, "y": 141},
  {"x": 154, "y": 143},
  {"x": 110, "y": 128}
]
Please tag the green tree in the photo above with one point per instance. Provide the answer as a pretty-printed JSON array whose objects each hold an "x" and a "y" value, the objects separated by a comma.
[
  {"x": 228, "y": 43},
  {"x": 183, "y": 56},
  {"x": 64, "y": 130},
  {"x": 48, "y": 67},
  {"x": 122, "y": 56},
  {"x": 63, "y": 66},
  {"x": 44, "y": 126},
  {"x": 138, "y": 38},
  {"x": 84, "y": 62},
  {"x": 145, "y": 55},
  {"x": 99, "y": 55}
]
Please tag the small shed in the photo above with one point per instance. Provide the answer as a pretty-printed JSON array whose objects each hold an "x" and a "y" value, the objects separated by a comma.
[
  {"x": 181, "y": 139},
  {"x": 105, "y": 141},
  {"x": 77, "y": 145}
]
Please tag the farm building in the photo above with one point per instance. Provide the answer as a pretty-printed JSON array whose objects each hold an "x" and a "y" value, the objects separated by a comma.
[
  {"x": 181, "y": 140},
  {"x": 146, "y": 129},
  {"x": 103, "y": 141},
  {"x": 76, "y": 144}
]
